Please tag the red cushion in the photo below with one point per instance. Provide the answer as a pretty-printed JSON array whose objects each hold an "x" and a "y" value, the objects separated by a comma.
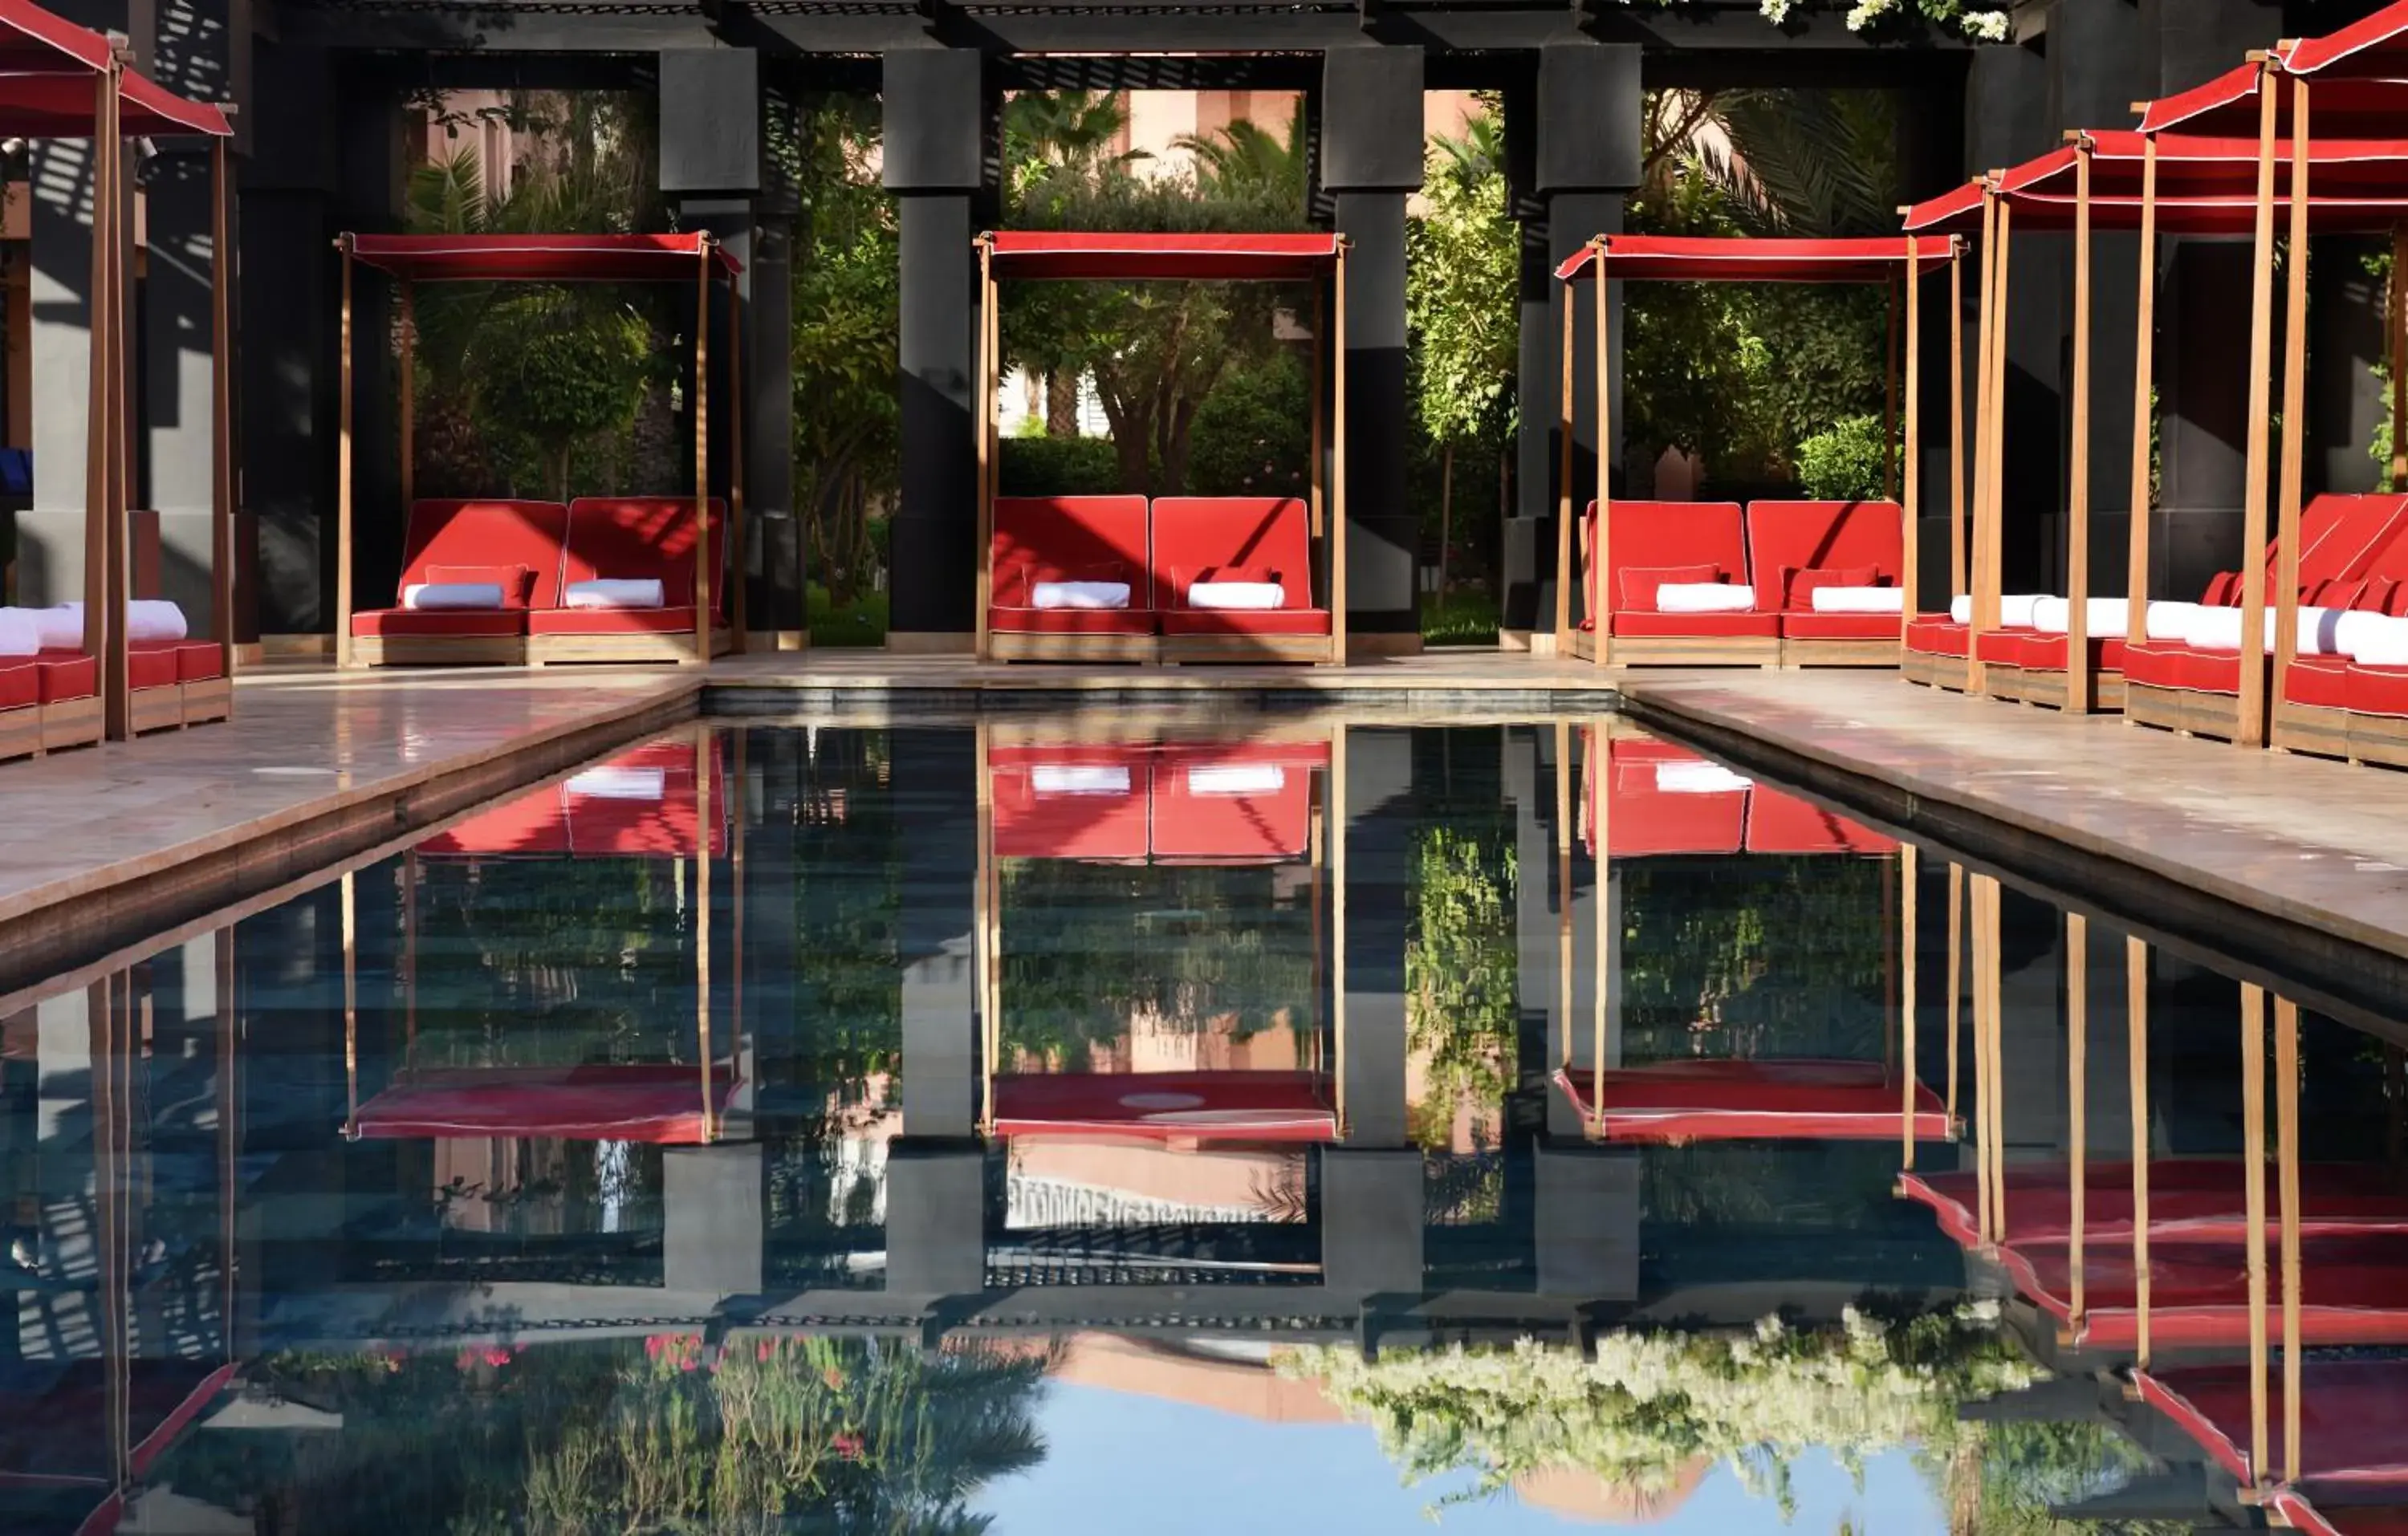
[
  {"x": 1827, "y": 535},
  {"x": 483, "y": 535},
  {"x": 150, "y": 664},
  {"x": 2162, "y": 663},
  {"x": 1635, "y": 593},
  {"x": 1674, "y": 535},
  {"x": 20, "y": 684},
  {"x": 640, "y": 538},
  {"x": 1072, "y": 621},
  {"x": 1056, "y": 539},
  {"x": 2375, "y": 690},
  {"x": 2001, "y": 647},
  {"x": 1839, "y": 626},
  {"x": 2322, "y": 682},
  {"x": 516, "y": 581},
  {"x": 1935, "y": 635},
  {"x": 425, "y": 622},
  {"x": 2223, "y": 590},
  {"x": 2380, "y": 593},
  {"x": 2040, "y": 652},
  {"x": 1676, "y": 625},
  {"x": 2334, "y": 595},
  {"x": 613, "y": 621},
  {"x": 1201, "y": 533},
  {"x": 66, "y": 675},
  {"x": 2343, "y": 536},
  {"x": 1242, "y": 621},
  {"x": 1800, "y": 587},
  {"x": 197, "y": 661}
]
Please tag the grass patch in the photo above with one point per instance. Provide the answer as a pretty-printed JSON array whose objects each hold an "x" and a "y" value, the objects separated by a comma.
[
  {"x": 859, "y": 623},
  {"x": 1465, "y": 617}
]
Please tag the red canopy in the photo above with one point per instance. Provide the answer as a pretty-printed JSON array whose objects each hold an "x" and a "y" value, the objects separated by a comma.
[
  {"x": 47, "y": 69},
  {"x": 2198, "y": 1296},
  {"x": 2205, "y": 186},
  {"x": 644, "y": 1101},
  {"x": 640, "y": 804},
  {"x": 1038, "y": 254},
  {"x": 1718, "y": 1101},
  {"x": 2375, "y": 49},
  {"x": 2343, "y": 107},
  {"x": 1211, "y": 1106},
  {"x": 1675, "y": 258},
  {"x": 2350, "y": 1420},
  {"x": 540, "y": 258},
  {"x": 2188, "y": 1196},
  {"x": 2338, "y": 1516}
]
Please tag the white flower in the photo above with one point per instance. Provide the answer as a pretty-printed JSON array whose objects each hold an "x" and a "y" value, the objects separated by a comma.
[
  {"x": 1776, "y": 12},
  {"x": 1868, "y": 11},
  {"x": 1990, "y": 26}
]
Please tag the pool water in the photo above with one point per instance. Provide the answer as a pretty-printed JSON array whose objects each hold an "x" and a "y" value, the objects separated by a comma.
[{"x": 1044, "y": 1126}]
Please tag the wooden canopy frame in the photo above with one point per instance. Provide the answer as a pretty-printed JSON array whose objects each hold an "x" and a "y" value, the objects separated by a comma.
[
  {"x": 1032, "y": 256},
  {"x": 1898, "y": 264},
  {"x": 712, "y": 1080},
  {"x": 412, "y": 259},
  {"x": 1325, "y": 853},
  {"x": 60, "y": 80},
  {"x": 1913, "y": 1119}
]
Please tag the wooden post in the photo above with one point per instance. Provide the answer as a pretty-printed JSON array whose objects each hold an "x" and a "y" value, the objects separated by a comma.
[
  {"x": 2077, "y": 1095},
  {"x": 1601, "y": 903},
  {"x": 1338, "y": 509},
  {"x": 1983, "y": 338},
  {"x": 410, "y": 395},
  {"x": 1337, "y": 853},
  {"x": 1564, "y": 819},
  {"x": 1906, "y": 870},
  {"x": 1602, "y": 563},
  {"x": 1320, "y": 376},
  {"x": 2253, "y": 1164},
  {"x": 987, "y": 446},
  {"x": 221, "y": 513},
  {"x": 1956, "y": 981},
  {"x": 2144, "y": 362},
  {"x": 2136, "y": 1042},
  {"x": 347, "y": 899},
  {"x": 2285, "y": 603},
  {"x": 109, "y": 321},
  {"x": 738, "y": 549},
  {"x": 1910, "y": 509},
  {"x": 1566, "y": 575},
  {"x": 100, "y": 617},
  {"x": 1957, "y": 467},
  {"x": 703, "y": 814},
  {"x": 2079, "y": 680},
  {"x": 703, "y": 585},
  {"x": 1993, "y": 527},
  {"x": 2250, "y": 729},
  {"x": 1985, "y": 1220},
  {"x": 2286, "y": 1153},
  {"x": 1889, "y": 387},
  {"x": 981, "y": 895},
  {"x": 343, "y": 497}
]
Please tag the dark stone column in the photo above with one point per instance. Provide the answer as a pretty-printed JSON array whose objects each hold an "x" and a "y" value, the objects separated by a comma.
[
  {"x": 1370, "y": 160},
  {"x": 2007, "y": 121},
  {"x": 2345, "y": 340},
  {"x": 1529, "y": 532},
  {"x": 1931, "y": 160},
  {"x": 938, "y": 132}
]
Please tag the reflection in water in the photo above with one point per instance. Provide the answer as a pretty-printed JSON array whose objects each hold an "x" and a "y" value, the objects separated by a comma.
[{"x": 837, "y": 1128}]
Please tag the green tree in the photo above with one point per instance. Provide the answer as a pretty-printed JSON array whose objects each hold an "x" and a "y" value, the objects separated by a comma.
[
  {"x": 1462, "y": 308},
  {"x": 1046, "y": 132},
  {"x": 1462, "y": 963}
]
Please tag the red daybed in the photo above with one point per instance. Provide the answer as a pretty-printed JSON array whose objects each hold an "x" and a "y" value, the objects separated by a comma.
[
  {"x": 2188, "y": 1197},
  {"x": 1070, "y": 539},
  {"x": 1860, "y": 543},
  {"x": 2353, "y": 1447},
  {"x": 1092, "y": 803},
  {"x": 1652, "y": 542},
  {"x": 1707, "y": 1100},
  {"x": 2199, "y": 1295},
  {"x": 48, "y": 701},
  {"x": 1203, "y": 1106},
  {"x": 1238, "y": 539},
  {"x": 639, "y": 538}
]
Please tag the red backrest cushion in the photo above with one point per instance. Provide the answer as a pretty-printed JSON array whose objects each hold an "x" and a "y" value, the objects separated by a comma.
[
  {"x": 487, "y": 534},
  {"x": 2223, "y": 590},
  {"x": 1193, "y": 534},
  {"x": 1056, "y": 539},
  {"x": 1658, "y": 534},
  {"x": 1827, "y": 535},
  {"x": 617, "y": 538},
  {"x": 2349, "y": 536}
]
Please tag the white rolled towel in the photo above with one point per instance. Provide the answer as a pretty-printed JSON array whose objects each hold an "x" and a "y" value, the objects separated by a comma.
[
  {"x": 2170, "y": 621},
  {"x": 1704, "y": 598},
  {"x": 2055, "y": 616},
  {"x": 1859, "y": 599},
  {"x": 2374, "y": 639},
  {"x": 1235, "y": 595},
  {"x": 617, "y": 591},
  {"x": 1080, "y": 595},
  {"x": 621, "y": 782},
  {"x": 1698, "y": 778},
  {"x": 1237, "y": 779},
  {"x": 1960, "y": 609},
  {"x": 2014, "y": 609},
  {"x": 2220, "y": 629},
  {"x": 1080, "y": 779},
  {"x": 20, "y": 633},
  {"x": 428, "y": 596}
]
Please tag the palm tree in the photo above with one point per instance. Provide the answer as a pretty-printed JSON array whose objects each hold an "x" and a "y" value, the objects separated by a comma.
[
  {"x": 1819, "y": 163},
  {"x": 1245, "y": 162}
]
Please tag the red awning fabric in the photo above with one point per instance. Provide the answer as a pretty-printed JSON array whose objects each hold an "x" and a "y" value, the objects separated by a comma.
[
  {"x": 2205, "y": 186},
  {"x": 1042, "y": 254},
  {"x": 1955, "y": 211},
  {"x": 1699, "y": 1101},
  {"x": 2339, "y": 107},
  {"x": 2375, "y": 47},
  {"x": 1207, "y": 1106},
  {"x": 2329, "y": 1515},
  {"x": 2351, "y": 1414},
  {"x": 2188, "y": 1196},
  {"x": 540, "y": 258},
  {"x": 2199, "y": 1293},
  {"x": 1688, "y": 259},
  {"x": 644, "y": 1101},
  {"x": 32, "y": 39},
  {"x": 48, "y": 65}
]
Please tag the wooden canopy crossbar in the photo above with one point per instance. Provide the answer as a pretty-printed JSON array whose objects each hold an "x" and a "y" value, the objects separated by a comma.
[
  {"x": 1897, "y": 264},
  {"x": 1049, "y": 255},
  {"x": 694, "y": 257}
]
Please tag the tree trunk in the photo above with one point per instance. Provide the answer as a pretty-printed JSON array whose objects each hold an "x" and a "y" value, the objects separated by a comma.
[
  {"x": 1174, "y": 452},
  {"x": 565, "y": 449},
  {"x": 1445, "y": 513},
  {"x": 1061, "y": 404}
]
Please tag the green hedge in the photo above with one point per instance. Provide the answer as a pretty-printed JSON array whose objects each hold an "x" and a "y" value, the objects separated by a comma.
[{"x": 1059, "y": 467}]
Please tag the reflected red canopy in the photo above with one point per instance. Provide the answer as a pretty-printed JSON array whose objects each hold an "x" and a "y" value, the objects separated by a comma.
[
  {"x": 2199, "y": 1293},
  {"x": 1040, "y": 253},
  {"x": 645, "y": 1101},
  {"x": 2336, "y": 1516},
  {"x": 2352, "y": 1433},
  {"x": 2188, "y": 1196},
  {"x": 1674, "y": 258},
  {"x": 47, "y": 70},
  {"x": 1224, "y": 1106},
  {"x": 541, "y": 258},
  {"x": 1714, "y": 1100}
]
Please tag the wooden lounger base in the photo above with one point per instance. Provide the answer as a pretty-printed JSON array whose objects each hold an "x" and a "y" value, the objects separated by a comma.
[
  {"x": 1029, "y": 645},
  {"x": 2337, "y": 733},
  {"x": 1682, "y": 651},
  {"x": 673, "y": 648},
  {"x": 35, "y": 729},
  {"x": 180, "y": 705},
  {"x": 2022, "y": 685},
  {"x": 2371, "y": 738},
  {"x": 1934, "y": 671},
  {"x": 676, "y": 649},
  {"x": 2217, "y": 715},
  {"x": 1175, "y": 650},
  {"x": 1839, "y": 652},
  {"x": 1286, "y": 650}
]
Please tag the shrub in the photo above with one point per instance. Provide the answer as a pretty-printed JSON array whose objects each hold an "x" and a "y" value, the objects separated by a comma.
[
  {"x": 1059, "y": 467},
  {"x": 1254, "y": 433},
  {"x": 1844, "y": 461}
]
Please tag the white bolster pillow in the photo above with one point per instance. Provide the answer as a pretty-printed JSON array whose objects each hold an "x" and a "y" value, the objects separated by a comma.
[
  {"x": 145, "y": 619},
  {"x": 1079, "y": 595},
  {"x": 1235, "y": 595},
  {"x": 2169, "y": 620},
  {"x": 61, "y": 627},
  {"x": 1080, "y": 779},
  {"x": 1960, "y": 609},
  {"x": 621, "y": 782},
  {"x": 1704, "y": 598},
  {"x": 432, "y": 596},
  {"x": 2055, "y": 616},
  {"x": 1859, "y": 599},
  {"x": 20, "y": 633},
  {"x": 1237, "y": 779},
  {"x": 2374, "y": 639},
  {"x": 2220, "y": 629},
  {"x": 1698, "y": 777},
  {"x": 617, "y": 591},
  {"x": 2014, "y": 609}
]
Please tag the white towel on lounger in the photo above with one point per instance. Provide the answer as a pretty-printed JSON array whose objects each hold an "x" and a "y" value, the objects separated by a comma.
[
  {"x": 1251, "y": 595},
  {"x": 145, "y": 619},
  {"x": 621, "y": 782},
  {"x": 1079, "y": 595},
  {"x": 20, "y": 633},
  {"x": 1237, "y": 779},
  {"x": 617, "y": 591},
  {"x": 1080, "y": 779},
  {"x": 1859, "y": 599},
  {"x": 2055, "y": 616},
  {"x": 1704, "y": 598},
  {"x": 428, "y": 596},
  {"x": 2374, "y": 639},
  {"x": 2014, "y": 609},
  {"x": 2220, "y": 629},
  {"x": 2168, "y": 620},
  {"x": 1698, "y": 777}
]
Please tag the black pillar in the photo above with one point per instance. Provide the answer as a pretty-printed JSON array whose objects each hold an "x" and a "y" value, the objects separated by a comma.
[
  {"x": 1370, "y": 162},
  {"x": 2006, "y": 122},
  {"x": 371, "y": 189},
  {"x": 2346, "y": 338},
  {"x": 1529, "y": 551},
  {"x": 1931, "y": 161},
  {"x": 938, "y": 128}
]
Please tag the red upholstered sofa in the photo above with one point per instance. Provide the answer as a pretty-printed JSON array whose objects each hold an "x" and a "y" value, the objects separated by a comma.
[
  {"x": 48, "y": 701},
  {"x": 1067, "y": 539},
  {"x": 1641, "y": 817},
  {"x": 633, "y": 539},
  {"x": 1258, "y": 539},
  {"x": 1684, "y": 537},
  {"x": 1216, "y": 803},
  {"x": 583, "y": 816},
  {"x": 1866, "y": 540}
]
